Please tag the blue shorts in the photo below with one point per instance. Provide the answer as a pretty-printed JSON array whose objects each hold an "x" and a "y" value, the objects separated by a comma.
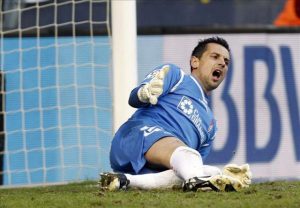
[{"x": 131, "y": 142}]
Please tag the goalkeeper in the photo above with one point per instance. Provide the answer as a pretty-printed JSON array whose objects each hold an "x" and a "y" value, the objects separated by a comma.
[{"x": 166, "y": 140}]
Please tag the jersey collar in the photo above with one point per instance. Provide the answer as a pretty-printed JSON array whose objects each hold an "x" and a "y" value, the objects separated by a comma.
[{"x": 203, "y": 95}]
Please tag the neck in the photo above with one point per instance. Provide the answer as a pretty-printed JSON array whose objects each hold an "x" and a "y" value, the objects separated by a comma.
[{"x": 200, "y": 84}]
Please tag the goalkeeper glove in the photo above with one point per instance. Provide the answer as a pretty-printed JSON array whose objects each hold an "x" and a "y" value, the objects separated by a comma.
[
  {"x": 150, "y": 92},
  {"x": 241, "y": 173}
]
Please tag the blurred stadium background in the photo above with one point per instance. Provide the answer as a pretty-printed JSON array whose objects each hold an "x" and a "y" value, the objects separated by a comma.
[{"x": 56, "y": 82}]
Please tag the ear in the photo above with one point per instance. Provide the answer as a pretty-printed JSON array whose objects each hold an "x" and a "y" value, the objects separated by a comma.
[{"x": 194, "y": 62}]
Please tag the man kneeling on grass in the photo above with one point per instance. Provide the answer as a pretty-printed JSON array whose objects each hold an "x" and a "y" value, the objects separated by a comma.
[{"x": 166, "y": 140}]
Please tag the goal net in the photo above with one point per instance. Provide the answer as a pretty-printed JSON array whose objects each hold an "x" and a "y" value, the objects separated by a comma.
[{"x": 56, "y": 114}]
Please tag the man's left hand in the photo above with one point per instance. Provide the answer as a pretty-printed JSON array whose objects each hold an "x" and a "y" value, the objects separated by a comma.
[{"x": 241, "y": 173}]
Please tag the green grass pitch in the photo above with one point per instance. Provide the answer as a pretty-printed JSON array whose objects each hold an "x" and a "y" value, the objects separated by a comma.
[{"x": 86, "y": 194}]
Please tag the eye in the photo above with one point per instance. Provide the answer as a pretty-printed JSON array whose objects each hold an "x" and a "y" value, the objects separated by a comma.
[{"x": 226, "y": 62}]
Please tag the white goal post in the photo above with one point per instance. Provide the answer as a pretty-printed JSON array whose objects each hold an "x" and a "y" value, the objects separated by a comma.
[{"x": 124, "y": 52}]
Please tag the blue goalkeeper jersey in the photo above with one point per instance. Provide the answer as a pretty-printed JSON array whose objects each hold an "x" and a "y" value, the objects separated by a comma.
[{"x": 182, "y": 111}]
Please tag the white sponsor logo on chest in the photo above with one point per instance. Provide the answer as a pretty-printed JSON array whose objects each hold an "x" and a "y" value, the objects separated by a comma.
[{"x": 187, "y": 108}]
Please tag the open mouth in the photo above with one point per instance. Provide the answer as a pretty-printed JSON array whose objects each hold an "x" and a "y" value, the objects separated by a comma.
[{"x": 217, "y": 73}]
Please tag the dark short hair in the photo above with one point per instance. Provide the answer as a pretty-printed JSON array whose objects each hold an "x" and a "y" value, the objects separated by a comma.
[{"x": 202, "y": 44}]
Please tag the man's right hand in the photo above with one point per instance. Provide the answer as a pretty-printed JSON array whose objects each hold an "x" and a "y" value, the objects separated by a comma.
[{"x": 150, "y": 91}]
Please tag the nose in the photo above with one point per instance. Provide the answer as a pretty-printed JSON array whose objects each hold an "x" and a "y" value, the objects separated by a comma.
[{"x": 222, "y": 62}]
